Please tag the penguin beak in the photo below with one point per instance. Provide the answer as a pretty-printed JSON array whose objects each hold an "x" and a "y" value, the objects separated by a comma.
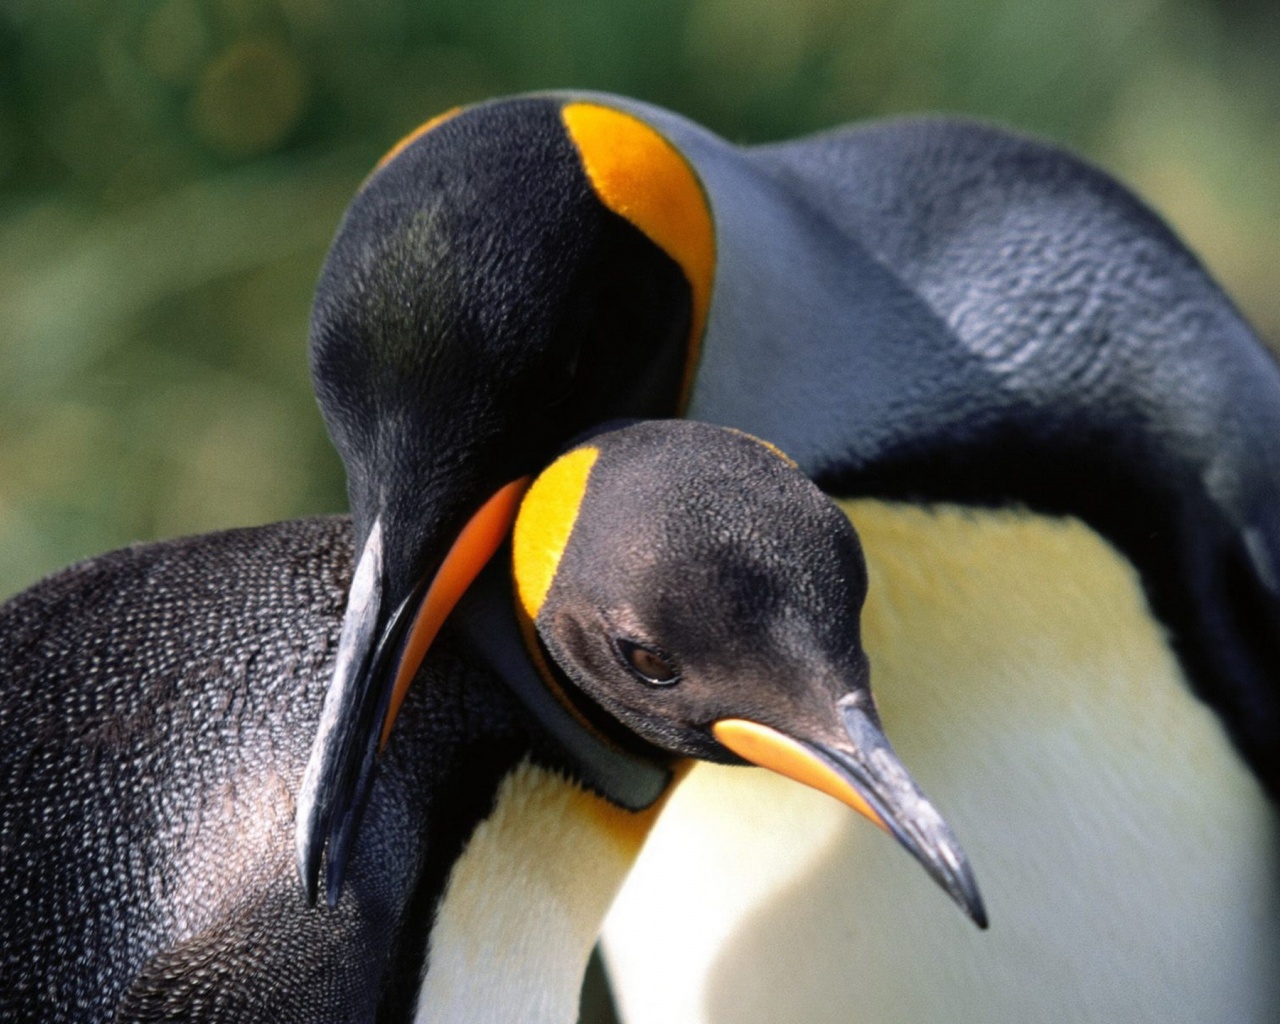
[
  {"x": 862, "y": 771},
  {"x": 378, "y": 657}
]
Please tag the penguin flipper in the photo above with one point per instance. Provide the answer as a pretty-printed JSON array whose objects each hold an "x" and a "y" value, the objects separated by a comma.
[{"x": 269, "y": 961}]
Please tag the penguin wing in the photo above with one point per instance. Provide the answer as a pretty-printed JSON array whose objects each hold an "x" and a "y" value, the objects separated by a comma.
[
  {"x": 972, "y": 316},
  {"x": 267, "y": 960}
]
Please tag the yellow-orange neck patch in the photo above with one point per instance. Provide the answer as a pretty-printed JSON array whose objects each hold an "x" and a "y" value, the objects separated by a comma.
[
  {"x": 544, "y": 523},
  {"x": 476, "y": 543},
  {"x": 640, "y": 176}
]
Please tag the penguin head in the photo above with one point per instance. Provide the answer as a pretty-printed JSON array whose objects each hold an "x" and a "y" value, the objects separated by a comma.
[
  {"x": 508, "y": 276},
  {"x": 483, "y": 301},
  {"x": 699, "y": 575},
  {"x": 691, "y": 583}
]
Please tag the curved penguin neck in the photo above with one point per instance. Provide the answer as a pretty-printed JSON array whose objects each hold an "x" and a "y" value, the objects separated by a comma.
[
  {"x": 507, "y": 641},
  {"x": 777, "y": 308},
  {"x": 525, "y": 901}
]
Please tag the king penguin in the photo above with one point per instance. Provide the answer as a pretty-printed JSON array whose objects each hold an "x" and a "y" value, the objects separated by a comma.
[
  {"x": 158, "y": 706},
  {"x": 964, "y": 330}
]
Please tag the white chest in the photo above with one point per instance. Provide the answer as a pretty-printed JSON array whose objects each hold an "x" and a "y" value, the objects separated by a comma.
[
  {"x": 524, "y": 903},
  {"x": 1127, "y": 858}
]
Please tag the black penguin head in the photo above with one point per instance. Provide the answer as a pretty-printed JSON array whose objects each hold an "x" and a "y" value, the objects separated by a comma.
[
  {"x": 510, "y": 275},
  {"x": 693, "y": 584},
  {"x": 703, "y": 577},
  {"x": 482, "y": 303}
]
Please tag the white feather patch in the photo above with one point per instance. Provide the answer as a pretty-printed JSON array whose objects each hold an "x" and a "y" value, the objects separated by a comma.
[
  {"x": 1127, "y": 856},
  {"x": 524, "y": 903}
]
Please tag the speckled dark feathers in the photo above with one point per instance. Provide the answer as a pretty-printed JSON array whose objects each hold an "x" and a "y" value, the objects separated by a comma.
[{"x": 156, "y": 709}]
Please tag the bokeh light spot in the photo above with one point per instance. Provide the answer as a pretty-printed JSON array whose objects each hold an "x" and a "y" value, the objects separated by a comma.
[
  {"x": 249, "y": 98},
  {"x": 174, "y": 41}
]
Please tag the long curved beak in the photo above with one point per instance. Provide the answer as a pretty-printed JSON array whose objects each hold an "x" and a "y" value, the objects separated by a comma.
[
  {"x": 863, "y": 772},
  {"x": 379, "y": 654}
]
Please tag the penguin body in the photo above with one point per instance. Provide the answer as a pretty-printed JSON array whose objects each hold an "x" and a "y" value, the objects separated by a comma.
[
  {"x": 1127, "y": 855},
  {"x": 157, "y": 710},
  {"x": 920, "y": 310},
  {"x": 988, "y": 320},
  {"x": 936, "y": 311}
]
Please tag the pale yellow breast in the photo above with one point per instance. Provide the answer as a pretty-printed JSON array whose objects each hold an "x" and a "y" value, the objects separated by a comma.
[
  {"x": 524, "y": 902},
  {"x": 1127, "y": 858}
]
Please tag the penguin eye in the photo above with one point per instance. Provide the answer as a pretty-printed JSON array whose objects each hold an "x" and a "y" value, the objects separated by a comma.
[{"x": 644, "y": 663}]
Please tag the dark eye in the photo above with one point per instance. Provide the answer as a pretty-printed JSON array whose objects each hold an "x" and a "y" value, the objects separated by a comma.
[{"x": 642, "y": 662}]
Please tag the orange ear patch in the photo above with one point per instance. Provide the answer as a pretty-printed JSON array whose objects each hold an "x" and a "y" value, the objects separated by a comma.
[
  {"x": 545, "y": 521},
  {"x": 640, "y": 176},
  {"x": 476, "y": 543}
]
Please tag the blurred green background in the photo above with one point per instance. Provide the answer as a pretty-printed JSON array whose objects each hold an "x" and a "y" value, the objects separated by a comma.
[{"x": 171, "y": 172}]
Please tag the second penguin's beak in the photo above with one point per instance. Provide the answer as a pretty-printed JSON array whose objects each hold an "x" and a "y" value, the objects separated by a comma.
[
  {"x": 861, "y": 770},
  {"x": 379, "y": 653}
]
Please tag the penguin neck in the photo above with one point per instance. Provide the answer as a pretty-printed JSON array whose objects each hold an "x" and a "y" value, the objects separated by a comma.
[
  {"x": 525, "y": 901},
  {"x": 631, "y": 776}
]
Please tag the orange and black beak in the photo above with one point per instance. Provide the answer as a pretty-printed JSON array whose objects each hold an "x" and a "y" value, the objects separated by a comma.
[
  {"x": 861, "y": 770},
  {"x": 379, "y": 654}
]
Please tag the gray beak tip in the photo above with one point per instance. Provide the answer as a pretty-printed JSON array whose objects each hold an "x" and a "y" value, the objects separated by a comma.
[{"x": 912, "y": 819}]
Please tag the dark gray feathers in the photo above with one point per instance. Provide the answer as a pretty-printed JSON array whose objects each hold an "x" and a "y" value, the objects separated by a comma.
[{"x": 156, "y": 709}]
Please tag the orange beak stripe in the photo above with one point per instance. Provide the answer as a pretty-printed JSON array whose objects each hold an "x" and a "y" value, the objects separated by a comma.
[
  {"x": 476, "y": 543},
  {"x": 770, "y": 749}
]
